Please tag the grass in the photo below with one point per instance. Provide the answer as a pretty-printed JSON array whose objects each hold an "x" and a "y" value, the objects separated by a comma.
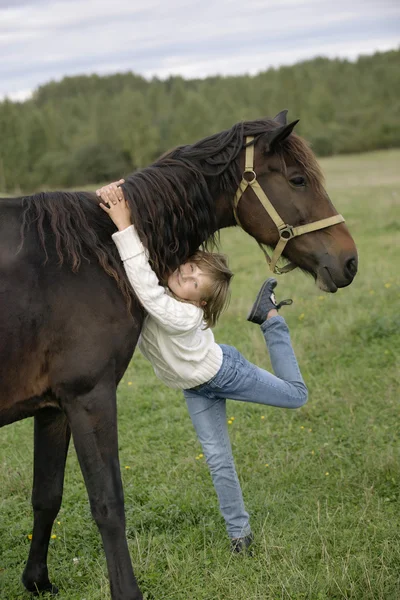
[{"x": 325, "y": 511}]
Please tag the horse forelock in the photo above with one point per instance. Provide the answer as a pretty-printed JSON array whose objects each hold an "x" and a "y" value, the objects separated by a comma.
[{"x": 299, "y": 151}]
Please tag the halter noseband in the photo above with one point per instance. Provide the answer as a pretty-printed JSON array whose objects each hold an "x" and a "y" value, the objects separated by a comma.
[{"x": 286, "y": 232}]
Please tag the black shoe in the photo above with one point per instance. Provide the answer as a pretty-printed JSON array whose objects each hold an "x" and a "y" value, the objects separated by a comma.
[
  {"x": 265, "y": 302},
  {"x": 242, "y": 544}
]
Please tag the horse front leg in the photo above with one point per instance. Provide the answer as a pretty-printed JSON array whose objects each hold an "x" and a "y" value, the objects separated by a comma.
[
  {"x": 93, "y": 421},
  {"x": 51, "y": 439}
]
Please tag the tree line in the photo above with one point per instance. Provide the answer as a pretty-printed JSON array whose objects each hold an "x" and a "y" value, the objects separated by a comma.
[{"x": 90, "y": 129}]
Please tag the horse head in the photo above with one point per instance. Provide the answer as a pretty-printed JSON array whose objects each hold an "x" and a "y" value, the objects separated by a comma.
[{"x": 282, "y": 203}]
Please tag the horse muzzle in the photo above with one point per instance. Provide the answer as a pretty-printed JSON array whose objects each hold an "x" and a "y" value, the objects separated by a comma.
[{"x": 332, "y": 274}]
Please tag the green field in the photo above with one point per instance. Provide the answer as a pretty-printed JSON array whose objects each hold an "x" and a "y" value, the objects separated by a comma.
[{"x": 321, "y": 483}]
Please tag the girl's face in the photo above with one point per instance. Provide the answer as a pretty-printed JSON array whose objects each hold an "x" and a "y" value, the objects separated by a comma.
[{"x": 189, "y": 283}]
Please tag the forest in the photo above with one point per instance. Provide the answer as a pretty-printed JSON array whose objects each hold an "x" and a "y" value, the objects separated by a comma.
[{"x": 89, "y": 129}]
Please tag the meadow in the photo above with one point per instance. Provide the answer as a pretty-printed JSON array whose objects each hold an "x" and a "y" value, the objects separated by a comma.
[{"x": 321, "y": 483}]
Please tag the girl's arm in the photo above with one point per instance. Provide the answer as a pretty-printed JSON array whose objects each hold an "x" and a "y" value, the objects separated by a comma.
[{"x": 174, "y": 316}]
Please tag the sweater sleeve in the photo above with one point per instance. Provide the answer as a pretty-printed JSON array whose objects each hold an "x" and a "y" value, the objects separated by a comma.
[{"x": 172, "y": 315}]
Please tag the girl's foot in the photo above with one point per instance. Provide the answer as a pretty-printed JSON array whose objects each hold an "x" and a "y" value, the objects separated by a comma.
[
  {"x": 265, "y": 302},
  {"x": 242, "y": 544}
]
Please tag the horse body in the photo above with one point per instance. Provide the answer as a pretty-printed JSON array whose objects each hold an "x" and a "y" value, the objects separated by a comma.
[
  {"x": 67, "y": 333},
  {"x": 65, "y": 342}
]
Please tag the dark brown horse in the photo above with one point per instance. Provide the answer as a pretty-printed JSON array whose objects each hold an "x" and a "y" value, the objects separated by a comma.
[{"x": 69, "y": 322}]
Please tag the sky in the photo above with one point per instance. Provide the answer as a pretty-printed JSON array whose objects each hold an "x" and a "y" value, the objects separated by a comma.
[{"x": 44, "y": 40}]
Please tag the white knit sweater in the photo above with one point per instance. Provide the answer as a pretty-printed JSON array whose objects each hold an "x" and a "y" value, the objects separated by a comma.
[{"x": 173, "y": 338}]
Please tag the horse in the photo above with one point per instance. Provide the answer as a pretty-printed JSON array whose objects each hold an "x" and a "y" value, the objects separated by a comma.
[{"x": 69, "y": 321}]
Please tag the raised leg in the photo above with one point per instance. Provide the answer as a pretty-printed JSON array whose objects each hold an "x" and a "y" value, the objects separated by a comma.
[
  {"x": 51, "y": 438},
  {"x": 93, "y": 422}
]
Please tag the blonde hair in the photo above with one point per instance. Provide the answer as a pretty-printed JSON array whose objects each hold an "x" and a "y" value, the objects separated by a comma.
[{"x": 217, "y": 294}]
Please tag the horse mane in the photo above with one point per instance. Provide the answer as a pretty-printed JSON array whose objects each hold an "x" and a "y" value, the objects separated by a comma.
[{"x": 172, "y": 203}]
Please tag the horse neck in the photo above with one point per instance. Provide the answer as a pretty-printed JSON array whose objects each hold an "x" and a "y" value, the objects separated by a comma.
[{"x": 223, "y": 202}]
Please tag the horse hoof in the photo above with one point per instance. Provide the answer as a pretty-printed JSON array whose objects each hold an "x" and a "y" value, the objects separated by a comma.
[
  {"x": 44, "y": 588},
  {"x": 48, "y": 589}
]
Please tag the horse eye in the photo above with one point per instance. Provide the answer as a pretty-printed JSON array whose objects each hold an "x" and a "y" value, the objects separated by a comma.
[{"x": 298, "y": 181}]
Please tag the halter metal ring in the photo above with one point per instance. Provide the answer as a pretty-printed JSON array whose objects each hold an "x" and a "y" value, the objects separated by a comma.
[
  {"x": 250, "y": 172},
  {"x": 286, "y": 232}
]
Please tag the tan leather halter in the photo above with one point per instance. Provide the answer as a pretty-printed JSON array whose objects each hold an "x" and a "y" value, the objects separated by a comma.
[{"x": 286, "y": 232}]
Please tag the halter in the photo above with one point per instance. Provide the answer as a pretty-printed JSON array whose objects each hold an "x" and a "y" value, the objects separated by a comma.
[{"x": 286, "y": 232}]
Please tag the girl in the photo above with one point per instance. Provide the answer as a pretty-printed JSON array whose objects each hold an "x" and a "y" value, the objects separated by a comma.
[{"x": 176, "y": 338}]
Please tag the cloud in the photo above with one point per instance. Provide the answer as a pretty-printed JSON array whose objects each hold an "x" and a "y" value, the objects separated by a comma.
[{"x": 45, "y": 40}]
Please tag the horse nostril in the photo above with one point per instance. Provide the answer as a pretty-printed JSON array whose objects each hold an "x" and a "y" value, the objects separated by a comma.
[{"x": 351, "y": 267}]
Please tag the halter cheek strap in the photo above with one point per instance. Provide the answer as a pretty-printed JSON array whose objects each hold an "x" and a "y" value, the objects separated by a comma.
[{"x": 286, "y": 232}]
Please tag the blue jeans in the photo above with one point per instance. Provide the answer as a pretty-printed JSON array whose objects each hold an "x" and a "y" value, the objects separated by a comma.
[{"x": 239, "y": 379}]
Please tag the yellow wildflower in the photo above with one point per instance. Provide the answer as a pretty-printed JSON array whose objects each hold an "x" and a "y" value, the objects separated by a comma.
[
  {"x": 263, "y": 417},
  {"x": 126, "y": 467},
  {"x": 129, "y": 382},
  {"x": 327, "y": 473},
  {"x": 29, "y": 536},
  {"x": 53, "y": 537},
  {"x": 301, "y": 317}
]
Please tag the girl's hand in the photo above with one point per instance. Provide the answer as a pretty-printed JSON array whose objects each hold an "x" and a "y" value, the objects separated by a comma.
[{"x": 117, "y": 209}]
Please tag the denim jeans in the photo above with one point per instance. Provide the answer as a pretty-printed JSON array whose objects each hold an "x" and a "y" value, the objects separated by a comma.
[{"x": 238, "y": 379}]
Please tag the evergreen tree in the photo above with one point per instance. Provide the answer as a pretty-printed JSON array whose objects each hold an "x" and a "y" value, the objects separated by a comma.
[{"x": 92, "y": 129}]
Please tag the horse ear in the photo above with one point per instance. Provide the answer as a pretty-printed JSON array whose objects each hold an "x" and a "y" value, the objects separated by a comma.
[
  {"x": 273, "y": 137},
  {"x": 281, "y": 117}
]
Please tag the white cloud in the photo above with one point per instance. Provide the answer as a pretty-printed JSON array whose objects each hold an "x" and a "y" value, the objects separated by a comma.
[
  {"x": 252, "y": 66},
  {"x": 20, "y": 96},
  {"x": 48, "y": 40}
]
